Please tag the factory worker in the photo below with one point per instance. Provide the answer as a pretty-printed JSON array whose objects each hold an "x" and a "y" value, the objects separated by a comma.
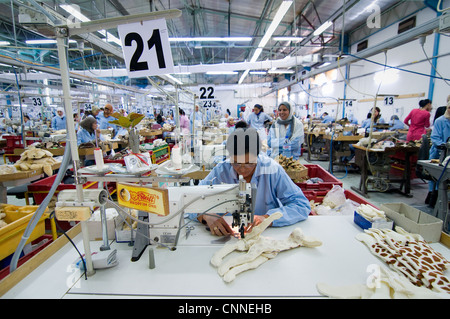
[
  {"x": 396, "y": 123},
  {"x": 275, "y": 189},
  {"x": 257, "y": 120},
  {"x": 105, "y": 117},
  {"x": 327, "y": 118},
  {"x": 439, "y": 136},
  {"x": 59, "y": 121},
  {"x": 366, "y": 123},
  {"x": 196, "y": 117},
  {"x": 88, "y": 131},
  {"x": 286, "y": 135}
]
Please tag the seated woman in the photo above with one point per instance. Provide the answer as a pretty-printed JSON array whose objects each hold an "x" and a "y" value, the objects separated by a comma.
[
  {"x": 286, "y": 135},
  {"x": 275, "y": 189},
  {"x": 89, "y": 132}
]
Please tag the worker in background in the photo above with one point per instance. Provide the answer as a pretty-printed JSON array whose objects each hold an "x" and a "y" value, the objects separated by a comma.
[
  {"x": 439, "y": 136},
  {"x": 27, "y": 123},
  {"x": 327, "y": 118},
  {"x": 441, "y": 110},
  {"x": 286, "y": 135},
  {"x": 396, "y": 123},
  {"x": 89, "y": 131},
  {"x": 256, "y": 120},
  {"x": 59, "y": 120},
  {"x": 377, "y": 119},
  {"x": 275, "y": 189},
  {"x": 197, "y": 117},
  {"x": 185, "y": 125},
  {"x": 366, "y": 123},
  {"x": 418, "y": 121},
  {"x": 105, "y": 117}
]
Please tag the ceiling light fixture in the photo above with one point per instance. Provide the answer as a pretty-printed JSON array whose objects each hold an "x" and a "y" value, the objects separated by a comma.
[
  {"x": 268, "y": 34},
  {"x": 74, "y": 11},
  {"x": 258, "y": 72},
  {"x": 322, "y": 28},
  {"x": 281, "y": 71},
  {"x": 45, "y": 41},
  {"x": 4, "y": 43},
  {"x": 212, "y": 39}
]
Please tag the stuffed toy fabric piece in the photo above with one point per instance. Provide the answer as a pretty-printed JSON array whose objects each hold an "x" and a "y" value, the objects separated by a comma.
[
  {"x": 36, "y": 158},
  {"x": 260, "y": 249}
]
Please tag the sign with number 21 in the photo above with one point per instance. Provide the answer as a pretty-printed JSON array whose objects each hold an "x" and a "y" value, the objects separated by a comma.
[{"x": 146, "y": 48}]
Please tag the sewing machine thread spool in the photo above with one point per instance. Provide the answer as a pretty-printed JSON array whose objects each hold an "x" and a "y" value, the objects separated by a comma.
[
  {"x": 176, "y": 157},
  {"x": 98, "y": 155}
]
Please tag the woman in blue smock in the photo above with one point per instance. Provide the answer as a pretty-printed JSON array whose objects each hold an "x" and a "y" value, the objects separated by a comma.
[
  {"x": 275, "y": 189},
  {"x": 439, "y": 135},
  {"x": 286, "y": 135},
  {"x": 257, "y": 118},
  {"x": 88, "y": 131}
]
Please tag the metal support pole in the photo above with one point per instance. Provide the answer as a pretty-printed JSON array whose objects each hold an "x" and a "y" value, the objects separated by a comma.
[{"x": 61, "y": 41}]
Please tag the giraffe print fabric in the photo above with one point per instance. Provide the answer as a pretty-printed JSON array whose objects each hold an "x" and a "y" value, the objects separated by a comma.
[{"x": 409, "y": 255}]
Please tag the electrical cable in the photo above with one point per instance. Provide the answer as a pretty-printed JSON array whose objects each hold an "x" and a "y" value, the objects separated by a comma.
[
  {"x": 400, "y": 69},
  {"x": 52, "y": 215},
  {"x": 42, "y": 207},
  {"x": 431, "y": 63}
]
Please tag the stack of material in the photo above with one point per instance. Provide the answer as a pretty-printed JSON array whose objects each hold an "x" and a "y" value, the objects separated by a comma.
[{"x": 34, "y": 158}]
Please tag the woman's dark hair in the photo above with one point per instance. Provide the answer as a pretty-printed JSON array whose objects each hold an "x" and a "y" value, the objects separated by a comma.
[
  {"x": 181, "y": 112},
  {"x": 243, "y": 141},
  {"x": 423, "y": 103},
  {"x": 241, "y": 124}
]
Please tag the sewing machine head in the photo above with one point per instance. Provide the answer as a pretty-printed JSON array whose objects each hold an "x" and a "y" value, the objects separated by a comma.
[{"x": 235, "y": 200}]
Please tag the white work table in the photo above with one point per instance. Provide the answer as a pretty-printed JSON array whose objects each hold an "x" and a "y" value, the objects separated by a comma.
[{"x": 187, "y": 272}]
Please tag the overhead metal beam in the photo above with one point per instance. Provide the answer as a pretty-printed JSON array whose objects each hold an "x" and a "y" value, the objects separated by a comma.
[{"x": 393, "y": 42}]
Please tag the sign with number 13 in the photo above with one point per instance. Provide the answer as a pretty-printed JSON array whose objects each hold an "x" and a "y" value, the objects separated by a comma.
[{"x": 146, "y": 48}]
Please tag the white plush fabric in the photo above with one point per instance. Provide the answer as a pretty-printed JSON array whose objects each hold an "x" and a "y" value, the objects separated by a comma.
[{"x": 260, "y": 249}]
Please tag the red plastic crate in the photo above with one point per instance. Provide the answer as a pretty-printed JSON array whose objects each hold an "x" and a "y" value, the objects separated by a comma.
[
  {"x": 41, "y": 188},
  {"x": 318, "y": 171},
  {"x": 13, "y": 141},
  {"x": 318, "y": 196}
]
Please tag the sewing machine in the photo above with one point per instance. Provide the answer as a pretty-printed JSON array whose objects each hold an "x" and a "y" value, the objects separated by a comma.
[{"x": 237, "y": 200}]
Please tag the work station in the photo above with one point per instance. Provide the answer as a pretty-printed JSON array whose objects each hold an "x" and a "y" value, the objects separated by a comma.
[{"x": 280, "y": 149}]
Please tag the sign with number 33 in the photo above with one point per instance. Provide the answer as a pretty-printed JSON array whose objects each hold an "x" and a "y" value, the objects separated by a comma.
[{"x": 146, "y": 48}]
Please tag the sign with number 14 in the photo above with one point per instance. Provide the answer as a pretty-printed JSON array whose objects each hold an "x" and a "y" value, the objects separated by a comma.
[{"x": 146, "y": 48}]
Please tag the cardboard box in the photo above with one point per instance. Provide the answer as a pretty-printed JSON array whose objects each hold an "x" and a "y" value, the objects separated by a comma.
[
  {"x": 414, "y": 221},
  {"x": 366, "y": 224},
  {"x": 297, "y": 174}
]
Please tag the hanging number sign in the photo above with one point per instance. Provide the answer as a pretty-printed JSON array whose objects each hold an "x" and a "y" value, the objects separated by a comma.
[
  {"x": 146, "y": 48},
  {"x": 206, "y": 94},
  {"x": 389, "y": 100}
]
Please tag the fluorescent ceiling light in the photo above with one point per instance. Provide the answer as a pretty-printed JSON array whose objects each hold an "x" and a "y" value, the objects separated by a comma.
[
  {"x": 45, "y": 41},
  {"x": 221, "y": 72},
  {"x": 269, "y": 32},
  {"x": 322, "y": 28},
  {"x": 173, "y": 79},
  {"x": 283, "y": 71},
  {"x": 75, "y": 11},
  {"x": 4, "y": 43},
  {"x": 258, "y": 72},
  {"x": 212, "y": 39},
  {"x": 295, "y": 39}
]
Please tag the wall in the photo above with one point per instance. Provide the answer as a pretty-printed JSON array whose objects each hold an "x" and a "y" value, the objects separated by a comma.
[{"x": 363, "y": 84}]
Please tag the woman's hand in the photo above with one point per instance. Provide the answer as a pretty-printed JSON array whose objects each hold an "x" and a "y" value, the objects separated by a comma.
[
  {"x": 217, "y": 225},
  {"x": 257, "y": 219}
]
